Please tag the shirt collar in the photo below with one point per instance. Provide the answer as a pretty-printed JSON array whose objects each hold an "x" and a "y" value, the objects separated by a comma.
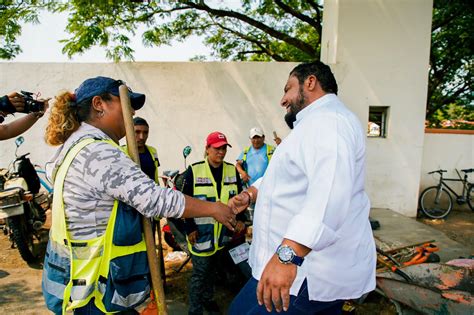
[{"x": 313, "y": 106}]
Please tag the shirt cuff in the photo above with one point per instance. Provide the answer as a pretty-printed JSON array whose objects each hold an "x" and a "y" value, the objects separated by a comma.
[
  {"x": 257, "y": 183},
  {"x": 302, "y": 230}
]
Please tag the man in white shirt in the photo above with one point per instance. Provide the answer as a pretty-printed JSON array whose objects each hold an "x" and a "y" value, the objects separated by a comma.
[{"x": 312, "y": 244}]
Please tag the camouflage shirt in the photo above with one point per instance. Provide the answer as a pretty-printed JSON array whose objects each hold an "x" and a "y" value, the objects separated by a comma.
[{"x": 100, "y": 174}]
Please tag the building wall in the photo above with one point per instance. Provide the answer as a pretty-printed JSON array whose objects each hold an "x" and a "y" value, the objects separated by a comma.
[
  {"x": 185, "y": 102},
  {"x": 379, "y": 51}
]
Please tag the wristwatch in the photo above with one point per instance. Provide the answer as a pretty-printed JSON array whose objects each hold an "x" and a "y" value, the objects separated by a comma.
[{"x": 287, "y": 255}]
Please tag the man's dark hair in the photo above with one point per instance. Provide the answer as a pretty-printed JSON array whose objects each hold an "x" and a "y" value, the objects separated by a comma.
[
  {"x": 138, "y": 121},
  {"x": 321, "y": 71}
]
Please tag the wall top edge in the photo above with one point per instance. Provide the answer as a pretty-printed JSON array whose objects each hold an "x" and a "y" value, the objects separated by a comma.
[
  {"x": 147, "y": 62},
  {"x": 450, "y": 131}
]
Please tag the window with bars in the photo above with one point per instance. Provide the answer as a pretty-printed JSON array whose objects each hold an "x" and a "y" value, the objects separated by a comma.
[{"x": 378, "y": 118}]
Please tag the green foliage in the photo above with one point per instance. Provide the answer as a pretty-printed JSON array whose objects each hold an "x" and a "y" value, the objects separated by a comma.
[
  {"x": 451, "y": 60},
  {"x": 453, "y": 116},
  {"x": 12, "y": 13},
  {"x": 264, "y": 30}
]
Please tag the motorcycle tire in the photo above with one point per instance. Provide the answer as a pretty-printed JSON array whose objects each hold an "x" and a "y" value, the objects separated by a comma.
[{"x": 22, "y": 238}]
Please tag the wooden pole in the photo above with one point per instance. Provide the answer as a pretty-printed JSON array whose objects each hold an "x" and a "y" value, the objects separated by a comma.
[{"x": 153, "y": 261}]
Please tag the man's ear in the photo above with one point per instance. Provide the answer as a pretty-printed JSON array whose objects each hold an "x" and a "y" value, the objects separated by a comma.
[
  {"x": 311, "y": 82},
  {"x": 97, "y": 103}
]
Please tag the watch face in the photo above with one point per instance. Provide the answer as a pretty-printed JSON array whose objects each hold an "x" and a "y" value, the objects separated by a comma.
[{"x": 285, "y": 254}]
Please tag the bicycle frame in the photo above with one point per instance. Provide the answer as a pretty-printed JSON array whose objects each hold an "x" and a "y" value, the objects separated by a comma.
[
  {"x": 465, "y": 184},
  {"x": 44, "y": 183}
]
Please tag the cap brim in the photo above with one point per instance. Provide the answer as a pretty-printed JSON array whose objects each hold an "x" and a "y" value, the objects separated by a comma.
[
  {"x": 220, "y": 144},
  {"x": 137, "y": 100}
]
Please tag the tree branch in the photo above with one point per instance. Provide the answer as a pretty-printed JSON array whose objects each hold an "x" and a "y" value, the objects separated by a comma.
[
  {"x": 264, "y": 49},
  {"x": 265, "y": 28},
  {"x": 299, "y": 15},
  {"x": 447, "y": 100}
]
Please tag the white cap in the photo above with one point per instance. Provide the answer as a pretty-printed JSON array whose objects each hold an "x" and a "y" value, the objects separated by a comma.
[{"x": 255, "y": 131}]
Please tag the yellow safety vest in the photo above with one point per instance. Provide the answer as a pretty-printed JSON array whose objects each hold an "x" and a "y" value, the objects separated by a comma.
[
  {"x": 112, "y": 268},
  {"x": 212, "y": 235},
  {"x": 154, "y": 155}
]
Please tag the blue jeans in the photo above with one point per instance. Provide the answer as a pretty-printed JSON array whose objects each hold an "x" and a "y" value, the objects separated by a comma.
[{"x": 246, "y": 303}]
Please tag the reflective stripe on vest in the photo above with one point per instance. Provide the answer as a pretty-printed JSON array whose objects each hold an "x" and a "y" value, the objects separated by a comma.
[
  {"x": 270, "y": 150},
  {"x": 75, "y": 271},
  {"x": 211, "y": 234}
]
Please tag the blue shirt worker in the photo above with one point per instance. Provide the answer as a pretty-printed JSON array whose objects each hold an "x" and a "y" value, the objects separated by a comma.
[{"x": 253, "y": 161}]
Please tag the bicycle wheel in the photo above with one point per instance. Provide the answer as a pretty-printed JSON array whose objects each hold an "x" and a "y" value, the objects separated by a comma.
[
  {"x": 470, "y": 197},
  {"x": 435, "y": 203}
]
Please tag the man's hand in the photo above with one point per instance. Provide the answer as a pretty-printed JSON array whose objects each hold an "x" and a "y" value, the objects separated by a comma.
[
  {"x": 224, "y": 215},
  {"x": 239, "y": 203},
  {"x": 274, "y": 286},
  {"x": 192, "y": 237},
  {"x": 245, "y": 177},
  {"x": 17, "y": 101},
  {"x": 46, "y": 106},
  {"x": 277, "y": 140}
]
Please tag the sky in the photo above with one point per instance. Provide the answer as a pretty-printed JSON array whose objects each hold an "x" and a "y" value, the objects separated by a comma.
[{"x": 40, "y": 43}]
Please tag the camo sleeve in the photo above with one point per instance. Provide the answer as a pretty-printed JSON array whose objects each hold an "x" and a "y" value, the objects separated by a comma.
[{"x": 110, "y": 172}]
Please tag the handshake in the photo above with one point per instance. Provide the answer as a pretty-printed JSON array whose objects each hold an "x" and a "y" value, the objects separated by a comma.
[
  {"x": 240, "y": 202},
  {"x": 226, "y": 214}
]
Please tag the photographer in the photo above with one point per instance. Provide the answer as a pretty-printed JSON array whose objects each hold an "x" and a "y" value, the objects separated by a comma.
[{"x": 15, "y": 102}]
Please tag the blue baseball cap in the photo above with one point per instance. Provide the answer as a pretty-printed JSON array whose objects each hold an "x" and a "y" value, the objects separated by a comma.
[{"x": 100, "y": 85}]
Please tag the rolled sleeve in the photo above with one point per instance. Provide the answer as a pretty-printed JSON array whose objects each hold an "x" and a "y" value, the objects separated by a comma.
[
  {"x": 316, "y": 238},
  {"x": 256, "y": 184}
]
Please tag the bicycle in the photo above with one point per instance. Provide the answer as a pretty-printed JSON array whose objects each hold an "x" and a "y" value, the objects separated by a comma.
[
  {"x": 44, "y": 181},
  {"x": 45, "y": 199},
  {"x": 436, "y": 201}
]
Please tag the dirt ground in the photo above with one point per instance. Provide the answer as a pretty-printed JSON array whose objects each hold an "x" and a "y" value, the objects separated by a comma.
[{"x": 20, "y": 283}]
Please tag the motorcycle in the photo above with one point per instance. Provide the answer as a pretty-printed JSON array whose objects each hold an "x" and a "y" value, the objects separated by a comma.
[
  {"x": 173, "y": 230},
  {"x": 20, "y": 204}
]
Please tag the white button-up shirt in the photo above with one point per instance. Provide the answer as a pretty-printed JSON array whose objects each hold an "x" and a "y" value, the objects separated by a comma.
[{"x": 313, "y": 193}]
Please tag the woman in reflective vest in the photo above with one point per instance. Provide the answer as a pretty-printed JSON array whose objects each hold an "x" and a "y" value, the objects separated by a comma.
[
  {"x": 213, "y": 180},
  {"x": 95, "y": 260}
]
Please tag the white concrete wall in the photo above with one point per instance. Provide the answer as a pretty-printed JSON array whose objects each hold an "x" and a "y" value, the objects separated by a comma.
[
  {"x": 379, "y": 52},
  {"x": 185, "y": 102},
  {"x": 448, "y": 152}
]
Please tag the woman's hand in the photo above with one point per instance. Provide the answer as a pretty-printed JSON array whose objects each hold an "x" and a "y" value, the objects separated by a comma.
[{"x": 224, "y": 215}]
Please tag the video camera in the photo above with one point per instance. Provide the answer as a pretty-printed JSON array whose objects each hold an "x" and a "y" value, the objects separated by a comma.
[{"x": 31, "y": 105}]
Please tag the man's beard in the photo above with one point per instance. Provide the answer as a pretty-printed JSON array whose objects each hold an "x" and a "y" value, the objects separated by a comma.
[{"x": 295, "y": 108}]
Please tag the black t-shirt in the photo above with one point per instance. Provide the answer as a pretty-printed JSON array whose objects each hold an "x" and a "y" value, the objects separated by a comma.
[{"x": 147, "y": 163}]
